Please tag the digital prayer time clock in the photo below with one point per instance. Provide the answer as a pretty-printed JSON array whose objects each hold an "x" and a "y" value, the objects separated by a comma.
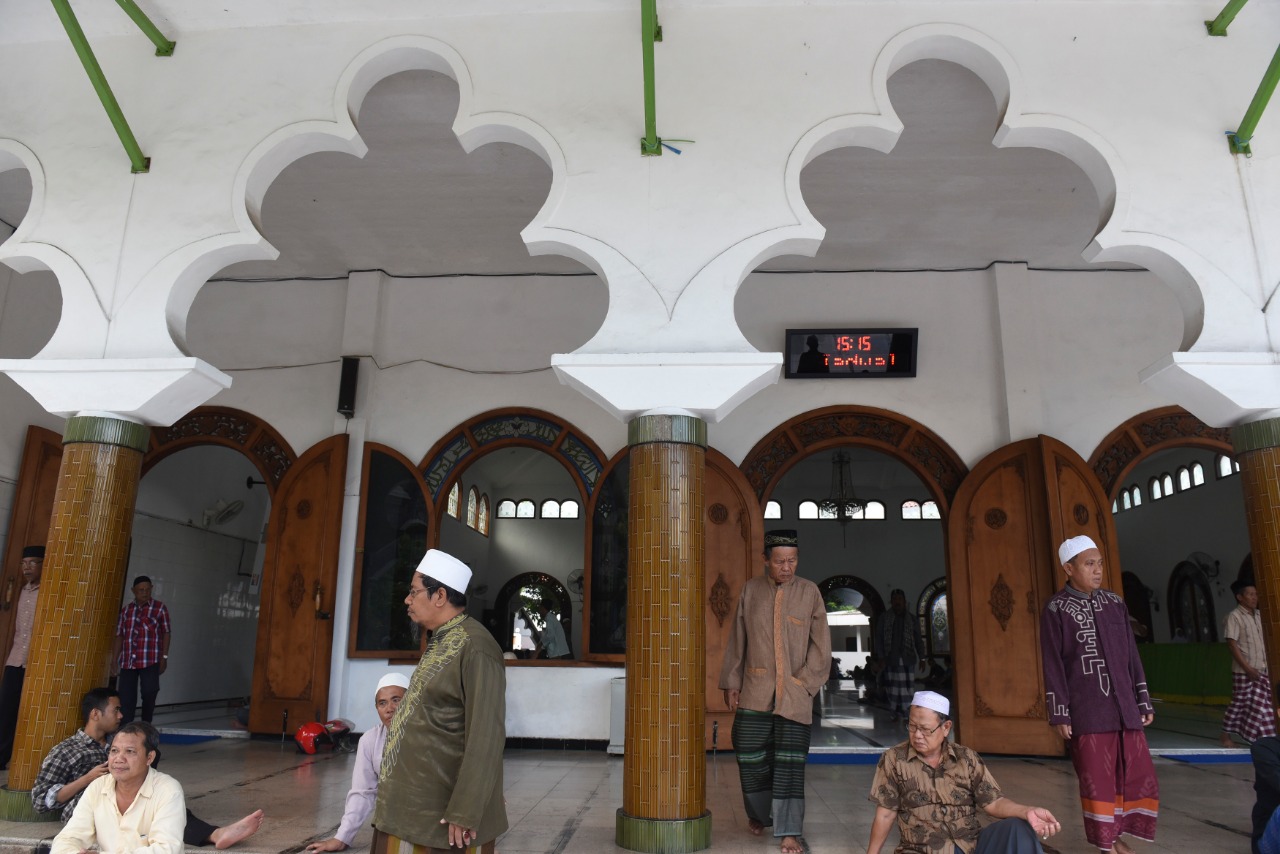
[{"x": 850, "y": 353}]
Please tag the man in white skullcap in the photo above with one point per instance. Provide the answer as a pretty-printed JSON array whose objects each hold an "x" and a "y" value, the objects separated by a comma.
[
  {"x": 440, "y": 785},
  {"x": 1097, "y": 700},
  {"x": 933, "y": 789},
  {"x": 364, "y": 777}
]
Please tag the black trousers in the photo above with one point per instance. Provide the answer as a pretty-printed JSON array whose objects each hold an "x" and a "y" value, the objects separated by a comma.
[
  {"x": 127, "y": 684},
  {"x": 197, "y": 832},
  {"x": 10, "y": 700}
]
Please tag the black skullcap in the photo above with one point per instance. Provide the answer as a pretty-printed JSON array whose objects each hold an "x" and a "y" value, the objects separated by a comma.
[
  {"x": 897, "y": 591},
  {"x": 1240, "y": 584},
  {"x": 36, "y": 552},
  {"x": 781, "y": 537},
  {"x": 141, "y": 579}
]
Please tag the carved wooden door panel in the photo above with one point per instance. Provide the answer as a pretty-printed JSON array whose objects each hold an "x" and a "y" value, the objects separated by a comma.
[
  {"x": 295, "y": 624},
  {"x": 30, "y": 516},
  {"x": 1078, "y": 505},
  {"x": 733, "y": 530}
]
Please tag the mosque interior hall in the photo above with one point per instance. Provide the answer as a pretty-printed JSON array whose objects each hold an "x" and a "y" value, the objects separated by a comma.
[{"x": 592, "y": 306}]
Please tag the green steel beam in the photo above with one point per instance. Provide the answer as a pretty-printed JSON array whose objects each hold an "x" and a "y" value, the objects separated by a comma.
[
  {"x": 650, "y": 32},
  {"x": 140, "y": 162},
  {"x": 1218, "y": 26},
  {"x": 164, "y": 47},
  {"x": 1239, "y": 139}
]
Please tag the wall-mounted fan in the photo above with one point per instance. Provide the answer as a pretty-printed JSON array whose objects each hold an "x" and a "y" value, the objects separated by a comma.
[
  {"x": 1208, "y": 564},
  {"x": 222, "y": 512},
  {"x": 575, "y": 583}
]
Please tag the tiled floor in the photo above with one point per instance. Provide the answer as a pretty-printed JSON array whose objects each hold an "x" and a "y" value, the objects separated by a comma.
[{"x": 566, "y": 801}]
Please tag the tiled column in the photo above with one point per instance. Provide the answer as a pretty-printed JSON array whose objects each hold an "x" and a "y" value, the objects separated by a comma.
[
  {"x": 1257, "y": 447},
  {"x": 664, "y": 782},
  {"x": 84, "y": 572}
]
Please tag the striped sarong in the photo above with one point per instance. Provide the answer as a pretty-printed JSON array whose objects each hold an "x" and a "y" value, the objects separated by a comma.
[
  {"x": 385, "y": 843},
  {"x": 1118, "y": 788},
  {"x": 771, "y": 753},
  {"x": 898, "y": 682},
  {"x": 1251, "y": 714}
]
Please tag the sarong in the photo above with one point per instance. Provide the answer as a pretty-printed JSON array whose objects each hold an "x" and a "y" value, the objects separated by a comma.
[
  {"x": 771, "y": 753},
  {"x": 898, "y": 682},
  {"x": 1118, "y": 788},
  {"x": 385, "y": 843},
  {"x": 1251, "y": 714}
]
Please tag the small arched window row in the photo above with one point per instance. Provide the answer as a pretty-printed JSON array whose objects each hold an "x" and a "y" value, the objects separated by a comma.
[
  {"x": 1225, "y": 466},
  {"x": 815, "y": 510},
  {"x": 920, "y": 510},
  {"x": 1188, "y": 477},
  {"x": 549, "y": 509}
]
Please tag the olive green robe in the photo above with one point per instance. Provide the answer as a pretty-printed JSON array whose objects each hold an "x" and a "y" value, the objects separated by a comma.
[{"x": 443, "y": 758}]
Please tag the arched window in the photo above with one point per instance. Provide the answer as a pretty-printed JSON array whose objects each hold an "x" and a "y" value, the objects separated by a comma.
[
  {"x": 1191, "y": 616},
  {"x": 911, "y": 510},
  {"x": 929, "y": 510},
  {"x": 455, "y": 496},
  {"x": 550, "y": 509},
  {"x": 1156, "y": 492},
  {"x": 473, "y": 507},
  {"x": 807, "y": 510},
  {"x": 569, "y": 510},
  {"x": 873, "y": 510},
  {"x": 524, "y": 510},
  {"x": 506, "y": 509},
  {"x": 772, "y": 510},
  {"x": 482, "y": 518},
  {"x": 1166, "y": 481},
  {"x": 1137, "y": 495},
  {"x": 1115, "y": 508},
  {"x": 935, "y": 624},
  {"x": 826, "y": 511},
  {"x": 1197, "y": 474},
  {"x": 1184, "y": 479},
  {"x": 1126, "y": 500},
  {"x": 1224, "y": 466}
]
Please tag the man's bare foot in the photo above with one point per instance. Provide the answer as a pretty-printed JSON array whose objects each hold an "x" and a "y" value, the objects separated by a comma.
[
  {"x": 225, "y": 837},
  {"x": 792, "y": 845},
  {"x": 1122, "y": 848},
  {"x": 755, "y": 827},
  {"x": 1226, "y": 741}
]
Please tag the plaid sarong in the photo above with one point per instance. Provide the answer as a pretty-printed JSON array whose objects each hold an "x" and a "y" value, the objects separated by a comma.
[
  {"x": 898, "y": 682},
  {"x": 771, "y": 753},
  {"x": 1118, "y": 788},
  {"x": 1251, "y": 714}
]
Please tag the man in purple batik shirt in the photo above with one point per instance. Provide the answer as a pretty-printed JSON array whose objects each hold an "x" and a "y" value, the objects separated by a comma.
[{"x": 1096, "y": 696}]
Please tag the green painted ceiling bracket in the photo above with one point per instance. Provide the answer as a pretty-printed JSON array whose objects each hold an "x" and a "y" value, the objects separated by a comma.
[
  {"x": 1218, "y": 26},
  {"x": 138, "y": 161},
  {"x": 650, "y": 32},
  {"x": 1240, "y": 138},
  {"x": 164, "y": 47}
]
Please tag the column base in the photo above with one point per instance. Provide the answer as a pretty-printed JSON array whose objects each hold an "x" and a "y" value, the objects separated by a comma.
[
  {"x": 15, "y": 805},
  {"x": 662, "y": 836}
]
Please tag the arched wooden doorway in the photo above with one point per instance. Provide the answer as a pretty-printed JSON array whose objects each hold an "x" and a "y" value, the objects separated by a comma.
[{"x": 1149, "y": 433}]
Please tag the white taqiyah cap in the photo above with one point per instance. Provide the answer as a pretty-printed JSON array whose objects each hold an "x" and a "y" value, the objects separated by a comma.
[
  {"x": 446, "y": 569},
  {"x": 1074, "y": 546},
  {"x": 932, "y": 700},
  {"x": 392, "y": 680}
]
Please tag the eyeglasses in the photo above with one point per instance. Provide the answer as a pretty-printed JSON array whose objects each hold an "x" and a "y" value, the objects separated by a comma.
[
  {"x": 414, "y": 591},
  {"x": 923, "y": 730}
]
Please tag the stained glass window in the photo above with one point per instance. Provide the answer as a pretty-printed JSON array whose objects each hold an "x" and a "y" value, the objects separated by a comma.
[
  {"x": 483, "y": 520},
  {"x": 939, "y": 627},
  {"x": 455, "y": 496},
  {"x": 473, "y": 507}
]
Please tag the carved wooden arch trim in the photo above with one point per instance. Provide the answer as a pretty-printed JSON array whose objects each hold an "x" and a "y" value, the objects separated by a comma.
[
  {"x": 905, "y": 439},
  {"x": 231, "y": 428},
  {"x": 513, "y": 428},
  {"x": 1150, "y": 432}
]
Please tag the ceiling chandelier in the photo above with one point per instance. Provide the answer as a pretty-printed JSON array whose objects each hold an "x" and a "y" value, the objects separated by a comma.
[{"x": 841, "y": 503}]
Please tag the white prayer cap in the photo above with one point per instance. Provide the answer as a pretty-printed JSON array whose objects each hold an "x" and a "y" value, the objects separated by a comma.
[
  {"x": 446, "y": 569},
  {"x": 1073, "y": 547},
  {"x": 392, "y": 680},
  {"x": 931, "y": 700}
]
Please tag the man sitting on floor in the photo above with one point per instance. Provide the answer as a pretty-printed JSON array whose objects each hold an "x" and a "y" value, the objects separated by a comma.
[
  {"x": 933, "y": 789},
  {"x": 76, "y": 762},
  {"x": 132, "y": 808}
]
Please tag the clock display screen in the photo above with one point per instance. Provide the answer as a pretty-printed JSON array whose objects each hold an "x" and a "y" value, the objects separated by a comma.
[{"x": 850, "y": 353}]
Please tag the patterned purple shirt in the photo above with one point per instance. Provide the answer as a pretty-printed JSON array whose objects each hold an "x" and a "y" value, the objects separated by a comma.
[
  {"x": 1093, "y": 677},
  {"x": 139, "y": 630}
]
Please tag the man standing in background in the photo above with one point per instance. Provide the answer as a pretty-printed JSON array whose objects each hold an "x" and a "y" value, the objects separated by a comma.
[
  {"x": 140, "y": 650},
  {"x": 899, "y": 645},
  {"x": 1251, "y": 714},
  {"x": 15, "y": 666}
]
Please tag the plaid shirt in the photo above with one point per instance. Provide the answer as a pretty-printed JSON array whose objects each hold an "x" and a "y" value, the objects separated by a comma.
[
  {"x": 69, "y": 760},
  {"x": 140, "y": 628}
]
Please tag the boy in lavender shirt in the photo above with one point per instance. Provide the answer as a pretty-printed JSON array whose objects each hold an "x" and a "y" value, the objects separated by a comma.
[{"x": 364, "y": 778}]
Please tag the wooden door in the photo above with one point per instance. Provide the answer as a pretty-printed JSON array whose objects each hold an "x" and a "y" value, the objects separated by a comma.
[
  {"x": 29, "y": 518},
  {"x": 295, "y": 623},
  {"x": 1008, "y": 518},
  {"x": 733, "y": 530}
]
